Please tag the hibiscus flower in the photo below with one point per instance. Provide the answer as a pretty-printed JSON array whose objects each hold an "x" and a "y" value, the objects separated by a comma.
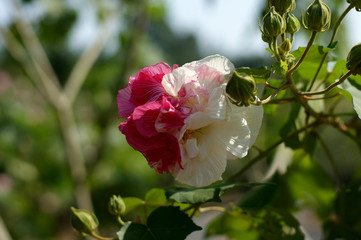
[{"x": 182, "y": 121}]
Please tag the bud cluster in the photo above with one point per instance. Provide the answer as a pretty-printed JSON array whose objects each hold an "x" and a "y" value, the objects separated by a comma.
[{"x": 279, "y": 21}]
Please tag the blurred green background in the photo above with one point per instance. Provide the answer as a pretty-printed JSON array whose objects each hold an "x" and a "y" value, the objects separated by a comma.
[{"x": 40, "y": 174}]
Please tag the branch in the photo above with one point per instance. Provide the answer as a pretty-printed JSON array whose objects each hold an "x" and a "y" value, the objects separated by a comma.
[
  {"x": 4, "y": 234},
  {"x": 85, "y": 62},
  {"x": 32, "y": 44}
]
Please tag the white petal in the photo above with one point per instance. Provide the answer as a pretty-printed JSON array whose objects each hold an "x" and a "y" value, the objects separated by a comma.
[
  {"x": 217, "y": 104},
  {"x": 174, "y": 81},
  {"x": 218, "y": 62},
  {"x": 197, "y": 120},
  {"x": 254, "y": 115},
  {"x": 191, "y": 148},
  {"x": 206, "y": 168},
  {"x": 233, "y": 134}
]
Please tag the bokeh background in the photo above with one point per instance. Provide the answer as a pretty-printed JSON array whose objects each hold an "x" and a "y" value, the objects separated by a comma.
[{"x": 54, "y": 156}]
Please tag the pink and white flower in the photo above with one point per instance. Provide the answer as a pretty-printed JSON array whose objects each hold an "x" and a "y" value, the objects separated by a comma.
[{"x": 182, "y": 122}]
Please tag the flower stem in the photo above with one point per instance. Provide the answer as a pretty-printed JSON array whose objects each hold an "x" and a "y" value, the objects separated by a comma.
[
  {"x": 291, "y": 83},
  {"x": 310, "y": 42},
  {"x": 94, "y": 235},
  {"x": 275, "y": 50},
  {"x": 269, "y": 98},
  {"x": 338, "y": 23},
  {"x": 120, "y": 221}
]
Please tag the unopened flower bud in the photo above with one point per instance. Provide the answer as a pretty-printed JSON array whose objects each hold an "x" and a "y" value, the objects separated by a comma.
[
  {"x": 267, "y": 39},
  {"x": 116, "y": 206},
  {"x": 241, "y": 89},
  {"x": 83, "y": 221},
  {"x": 283, "y": 6},
  {"x": 273, "y": 24},
  {"x": 356, "y": 3},
  {"x": 292, "y": 23},
  {"x": 317, "y": 17},
  {"x": 286, "y": 46},
  {"x": 354, "y": 60}
]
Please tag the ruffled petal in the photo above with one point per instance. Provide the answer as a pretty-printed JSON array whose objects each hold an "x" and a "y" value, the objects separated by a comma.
[
  {"x": 169, "y": 119},
  {"x": 254, "y": 115},
  {"x": 147, "y": 85},
  {"x": 125, "y": 107},
  {"x": 174, "y": 81},
  {"x": 212, "y": 70},
  {"x": 204, "y": 169},
  {"x": 197, "y": 120},
  {"x": 145, "y": 116},
  {"x": 233, "y": 135},
  {"x": 217, "y": 104},
  {"x": 162, "y": 151}
]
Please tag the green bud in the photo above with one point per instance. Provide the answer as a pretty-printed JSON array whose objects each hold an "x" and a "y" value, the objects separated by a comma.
[
  {"x": 283, "y": 6},
  {"x": 267, "y": 39},
  {"x": 286, "y": 46},
  {"x": 116, "y": 206},
  {"x": 354, "y": 60},
  {"x": 273, "y": 24},
  {"x": 356, "y": 3},
  {"x": 241, "y": 89},
  {"x": 317, "y": 17},
  {"x": 292, "y": 23},
  {"x": 83, "y": 221}
]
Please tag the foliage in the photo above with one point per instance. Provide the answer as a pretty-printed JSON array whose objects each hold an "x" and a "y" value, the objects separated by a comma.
[{"x": 59, "y": 144}]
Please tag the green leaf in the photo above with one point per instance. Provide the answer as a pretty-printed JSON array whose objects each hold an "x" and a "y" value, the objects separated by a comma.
[
  {"x": 280, "y": 69},
  {"x": 310, "y": 64},
  {"x": 155, "y": 197},
  {"x": 131, "y": 203},
  {"x": 260, "y": 75},
  {"x": 353, "y": 86},
  {"x": 259, "y": 197},
  {"x": 164, "y": 223},
  {"x": 273, "y": 224},
  {"x": 202, "y": 195}
]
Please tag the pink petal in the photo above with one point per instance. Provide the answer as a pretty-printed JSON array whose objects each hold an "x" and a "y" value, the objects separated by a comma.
[
  {"x": 147, "y": 85},
  {"x": 125, "y": 107},
  {"x": 161, "y": 151},
  {"x": 136, "y": 139},
  {"x": 169, "y": 118},
  {"x": 145, "y": 117},
  {"x": 168, "y": 156}
]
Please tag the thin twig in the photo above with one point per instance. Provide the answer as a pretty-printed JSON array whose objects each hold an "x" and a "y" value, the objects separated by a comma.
[
  {"x": 269, "y": 98},
  {"x": 310, "y": 42},
  {"x": 341, "y": 80}
]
